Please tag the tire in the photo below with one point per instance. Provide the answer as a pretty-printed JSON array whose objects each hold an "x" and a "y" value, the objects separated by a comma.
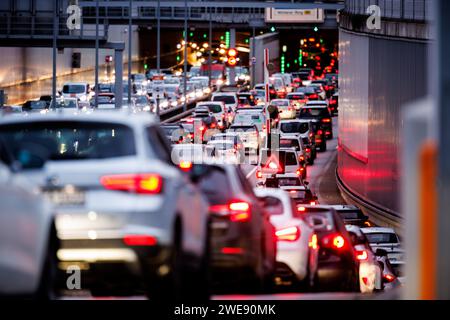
[
  {"x": 323, "y": 147},
  {"x": 310, "y": 283},
  {"x": 47, "y": 284}
]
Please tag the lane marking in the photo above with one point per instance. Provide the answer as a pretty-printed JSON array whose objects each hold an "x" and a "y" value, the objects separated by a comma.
[{"x": 251, "y": 172}]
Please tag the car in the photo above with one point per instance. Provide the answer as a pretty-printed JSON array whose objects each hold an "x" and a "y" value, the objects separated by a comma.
[
  {"x": 195, "y": 128},
  {"x": 247, "y": 98},
  {"x": 174, "y": 132},
  {"x": 225, "y": 151},
  {"x": 186, "y": 155},
  {"x": 35, "y": 106},
  {"x": 218, "y": 110},
  {"x": 231, "y": 136},
  {"x": 301, "y": 194},
  {"x": 172, "y": 94},
  {"x": 249, "y": 135},
  {"x": 142, "y": 102},
  {"x": 251, "y": 116},
  {"x": 327, "y": 86},
  {"x": 229, "y": 98},
  {"x": 386, "y": 239},
  {"x": 105, "y": 101},
  {"x": 261, "y": 87},
  {"x": 278, "y": 163},
  {"x": 302, "y": 129},
  {"x": 279, "y": 86},
  {"x": 297, "y": 100},
  {"x": 309, "y": 92},
  {"x": 285, "y": 110},
  {"x": 319, "y": 89},
  {"x": 338, "y": 265},
  {"x": 205, "y": 81},
  {"x": 334, "y": 103},
  {"x": 138, "y": 78},
  {"x": 120, "y": 200},
  {"x": 370, "y": 271},
  {"x": 287, "y": 78},
  {"x": 391, "y": 274},
  {"x": 297, "y": 247},
  {"x": 294, "y": 141},
  {"x": 319, "y": 135},
  {"x": 66, "y": 103},
  {"x": 320, "y": 113},
  {"x": 28, "y": 239},
  {"x": 80, "y": 90},
  {"x": 14, "y": 109},
  {"x": 353, "y": 215},
  {"x": 242, "y": 239}
]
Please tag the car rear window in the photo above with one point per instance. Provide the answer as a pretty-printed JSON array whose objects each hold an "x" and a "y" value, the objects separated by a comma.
[
  {"x": 226, "y": 99},
  {"x": 294, "y": 127},
  {"x": 73, "y": 88},
  {"x": 348, "y": 214},
  {"x": 380, "y": 237},
  {"x": 291, "y": 159},
  {"x": 215, "y": 185},
  {"x": 214, "y": 108},
  {"x": 242, "y": 129},
  {"x": 31, "y": 143},
  {"x": 321, "y": 220},
  {"x": 311, "y": 113}
]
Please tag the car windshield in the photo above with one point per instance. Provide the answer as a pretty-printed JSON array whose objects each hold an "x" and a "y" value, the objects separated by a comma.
[
  {"x": 214, "y": 108},
  {"x": 382, "y": 237},
  {"x": 294, "y": 127},
  {"x": 32, "y": 143},
  {"x": 242, "y": 129},
  {"x": 226, "y": 99},
  {"x": 312, "y": 113},
  {"x": 38, "y": 105},
  {"x": 308, "y": 90},
  {"x": 74, "y": 88}
]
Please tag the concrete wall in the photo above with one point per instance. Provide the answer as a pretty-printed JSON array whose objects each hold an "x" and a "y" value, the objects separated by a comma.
[{"x": 378, "y": 76}]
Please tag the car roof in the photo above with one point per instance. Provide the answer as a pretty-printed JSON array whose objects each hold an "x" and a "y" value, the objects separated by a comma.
[
  {"x": 316, "y": 106},
  {"x": 120, "y": 116},
  {"x": 378, "y": 230},
  {"x": 316, "y": 103},
  {"x": 299, "y": 188}
]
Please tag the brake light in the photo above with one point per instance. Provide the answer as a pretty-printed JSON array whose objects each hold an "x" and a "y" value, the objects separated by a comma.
[
  {"x": 139, "y": 240},
  {"x": 313, "y": 243},
  {"x": 185, "y": 165},
  {"x": 301, "y": 158},
  {"x": 232, "y": 250},
  {"x": 238, "y": 211},
  {"x": 201, "y": 128},
  {"x": 320, "y": 132},
  {"x": 388, "y": 277},
  {"x": 308, "y": 150},
  {"x": 301, "y": 209},
  {"x": 258, "y": 174},
  {"x": 313, "y": 96},
  {"x": 313, "y": 203},
  {"x": 333, "y": 101},
  {"x": 362, "y": 255},
  {"x": 288, "y": 234},
  {"x": 326, "y": 120},
  {"x": 338, "y": 242},
  {"x": 272, "y": 91},
  {"x": 137, "y": 183}
]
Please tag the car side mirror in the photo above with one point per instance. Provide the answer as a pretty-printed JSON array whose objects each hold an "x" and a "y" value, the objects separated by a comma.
[{"x": 381, "y": 253}]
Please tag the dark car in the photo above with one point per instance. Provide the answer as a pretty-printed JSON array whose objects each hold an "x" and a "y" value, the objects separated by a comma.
[
  {"x": 320, "y": 113},
  {"x": 334, "y": 104},
  {"x": 195, "y": 129},
  {"x": 309, "y": 92},
  {"x": 338, "y": 265},
  {"x": 327, "y": 85},
  {"x": 319, "y": 134},
  {"x": 242, "y": 239},
  {"x": 35, "y": 105},
  {"x": 353, "y": 215}
]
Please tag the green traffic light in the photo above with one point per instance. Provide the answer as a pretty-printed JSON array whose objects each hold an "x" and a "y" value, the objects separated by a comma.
[
  {"x": 145, "y": 66},
  {"x": 316, "y": 29},
  {"x": 272, "y": 29}
]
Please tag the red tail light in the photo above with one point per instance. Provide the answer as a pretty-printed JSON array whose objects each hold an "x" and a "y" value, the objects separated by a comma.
[
  {"x": 362, "y": 255},
  {"x": 258, "y": 174},
  {"x": 333, "y": 101},
  {"x": 299, "y": 171},
  {"x": 301, "y": 158},
  {"x": 238, "y": 211},
  {"x": 388, "y": 277},
  {"x": 201, "y": 128},
  {"x": 326, "y": 120},
  {"x": 232, "y": 250},
  {"x": 288, "y": 234},
  {"x": 320, "y": 132},
  {"x": 313, "y": 96},
  {"x": 308, "y": 150},
  {"x": 272, "y": 91},
  {"x": 301, "y": 209},
  {"x": 313, "y": 203},
  {"x": 313, "y": 243},
  {"x": 136, "y": 183},
  {"x": 185, "y": 165},
  {"x": 139, "y": 240},
  {"x": 334, "y": 241}
]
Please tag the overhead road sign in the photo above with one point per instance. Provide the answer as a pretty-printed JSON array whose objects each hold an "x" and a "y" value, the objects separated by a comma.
[{"x": 295, "y": 15}]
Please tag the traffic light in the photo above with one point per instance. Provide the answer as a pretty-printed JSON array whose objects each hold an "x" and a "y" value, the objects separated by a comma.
[
  {"x": 108, "y": 59},
  {"x": 232, "y": 57}
]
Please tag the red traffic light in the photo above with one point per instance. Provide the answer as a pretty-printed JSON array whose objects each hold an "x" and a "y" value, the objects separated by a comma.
[
  {"x": 231, "y": 62},
  {"x": 232, "y": 53}
]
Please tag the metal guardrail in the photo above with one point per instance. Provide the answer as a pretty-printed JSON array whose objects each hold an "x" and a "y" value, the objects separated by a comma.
[{"x": 413, "y": 10}]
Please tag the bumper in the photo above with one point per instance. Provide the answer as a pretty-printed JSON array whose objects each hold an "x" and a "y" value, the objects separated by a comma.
[{"x": 292, "y": 259}]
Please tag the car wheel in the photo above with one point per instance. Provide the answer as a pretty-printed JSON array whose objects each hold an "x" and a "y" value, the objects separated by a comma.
[
  {"x": 323, "y": 147},
  {"x": 47, "y": 284}
]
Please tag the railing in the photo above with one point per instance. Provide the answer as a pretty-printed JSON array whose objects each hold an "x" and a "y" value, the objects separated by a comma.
[{"x": 413, "y": 10}]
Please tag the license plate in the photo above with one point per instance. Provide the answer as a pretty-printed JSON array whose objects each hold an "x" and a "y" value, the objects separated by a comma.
[{"x": 66, "y": 198}]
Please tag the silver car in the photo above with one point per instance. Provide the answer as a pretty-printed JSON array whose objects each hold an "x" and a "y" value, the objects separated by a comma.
[
  {"x": 28, "y": 241},
  {"x": 125, "y": 213}
]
